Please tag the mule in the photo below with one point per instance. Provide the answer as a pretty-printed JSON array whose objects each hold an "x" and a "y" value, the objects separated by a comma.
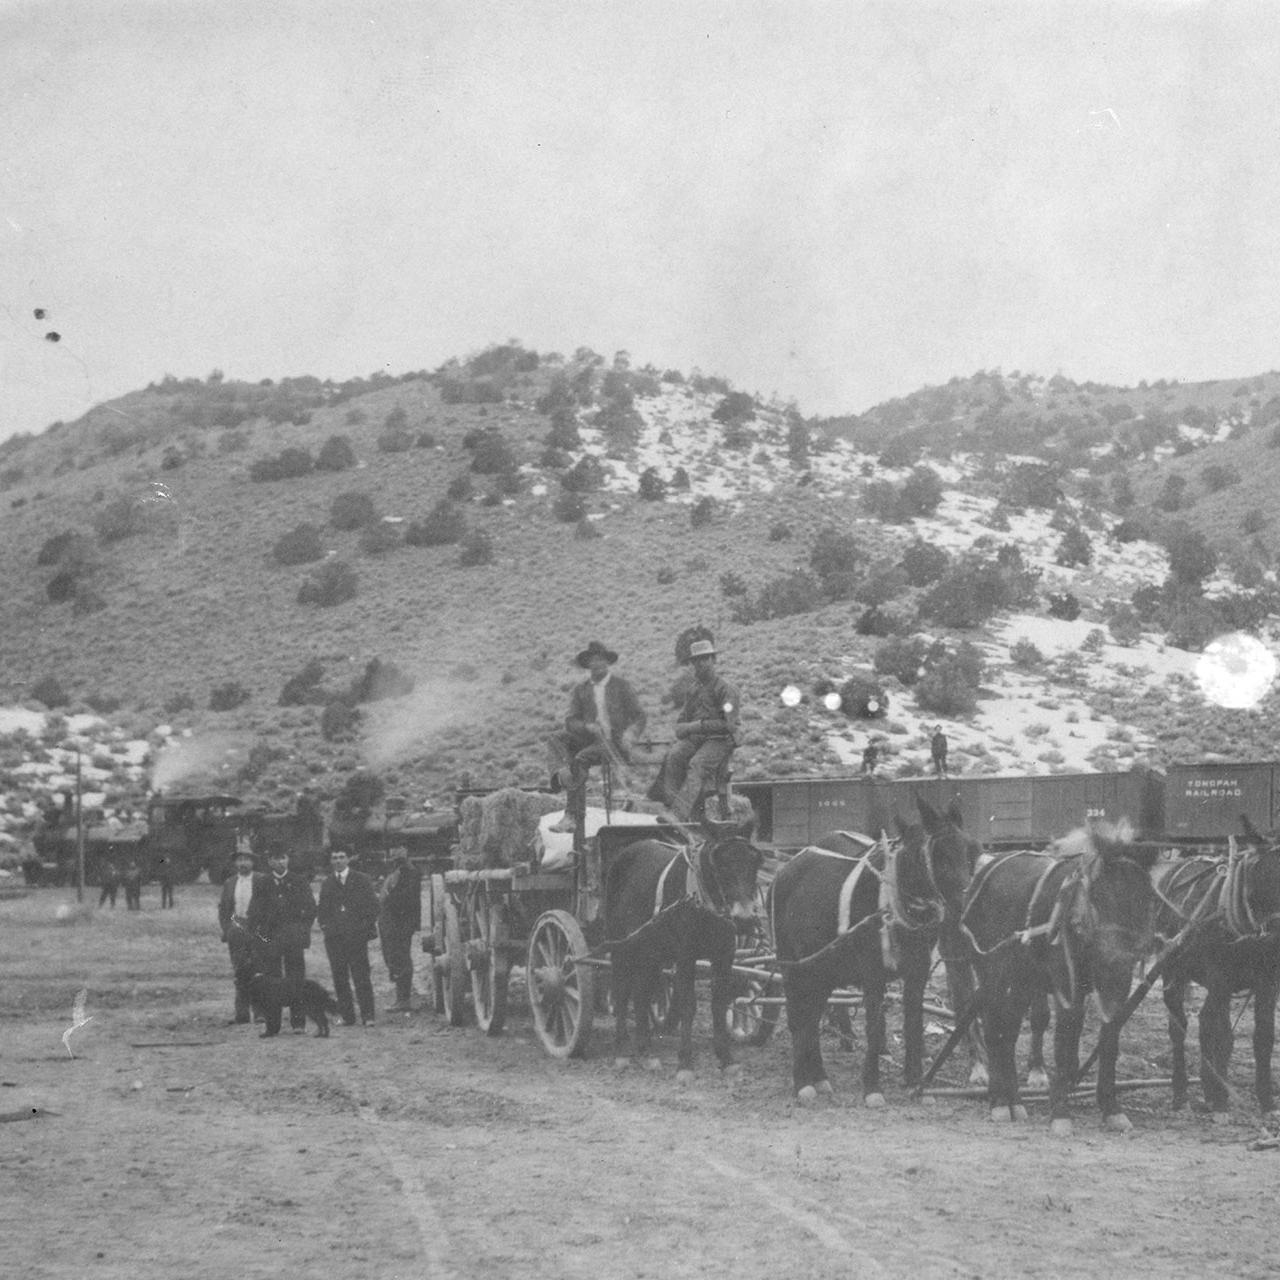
[
  {"x": 845, "y": 916},
  {"x": 668, "y": 904},
  {"x": 1233, "y": 904},
  {"x": 1063, "y": 923}
]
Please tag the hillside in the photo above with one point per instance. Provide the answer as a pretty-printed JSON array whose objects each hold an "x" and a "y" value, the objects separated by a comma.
[{"x": 140, "y": 573}]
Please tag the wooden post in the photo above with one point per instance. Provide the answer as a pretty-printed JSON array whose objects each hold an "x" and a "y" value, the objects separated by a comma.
[{"x": 79, "y": 832}]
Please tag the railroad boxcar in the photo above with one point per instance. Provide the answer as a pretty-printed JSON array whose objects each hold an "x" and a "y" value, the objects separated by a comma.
[
  {"x": 1204, "y": 802},
  {"x": 1003, "y": 812}
]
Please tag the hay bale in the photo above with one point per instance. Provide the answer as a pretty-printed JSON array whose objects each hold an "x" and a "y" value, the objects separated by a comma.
[{"x": 500, "y": 829}]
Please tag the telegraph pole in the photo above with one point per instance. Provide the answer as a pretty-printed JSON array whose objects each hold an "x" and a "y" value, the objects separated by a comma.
[{"x": 79, "y": 832}]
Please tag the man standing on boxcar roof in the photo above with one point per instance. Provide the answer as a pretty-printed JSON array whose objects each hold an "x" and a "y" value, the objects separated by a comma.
[
  {"x": 605, "y": 717},
  {"x": 706, "y": 733}
]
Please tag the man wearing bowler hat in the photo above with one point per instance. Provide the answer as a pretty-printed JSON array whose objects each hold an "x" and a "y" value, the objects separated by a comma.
[
  {"x": 706, "y": 734},
  {"x": 605, "y": 717}
]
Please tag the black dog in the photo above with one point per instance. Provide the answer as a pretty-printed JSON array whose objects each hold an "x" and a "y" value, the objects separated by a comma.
[{"x": 269, "y": 995}]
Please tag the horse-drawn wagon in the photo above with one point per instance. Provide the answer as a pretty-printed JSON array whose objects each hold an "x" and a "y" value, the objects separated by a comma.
[{"x": 520, "y": 899}]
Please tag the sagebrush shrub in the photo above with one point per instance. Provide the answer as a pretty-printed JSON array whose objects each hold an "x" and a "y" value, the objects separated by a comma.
[
  {"x": 330, "y": 583},
  {"x": 338, "y": 720},
  {"x": 703, "y": 512},
  {"x": 792, "y": 593},
  {"x": 301, "y": 545},
  {"x": 924, "y": 562},
  {"x": 336, "y": 454},
  {"x": 835, "y": 558},
  {"x": 49, "y": 690},
  {"x": 569, "y": 506},
  {"x": 653, "y": 488},
  {"x": 228, "y": 696},
  {"x": 459, "y": 489},
  {"x": 779, "y": 531},
  {"x": 1063, "y": 605},
  {"x": 863, "y": 699},
  {"x": 1025, "y": 655},
  {"x": 586, "y": 528},
  {"x": 304, "y": 688},
  {"x": 445, "y": 523},
  {"x": 352, "y": 510},
  {"x": 946, "y": 690},
  {"x": 901, "y": 657},
  {"x": 491, "y": 453}
]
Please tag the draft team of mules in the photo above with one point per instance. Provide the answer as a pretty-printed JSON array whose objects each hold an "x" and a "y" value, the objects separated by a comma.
[
  {"x": 1232, "y": 904},
  {"x": 669, "y": 904},
  {"x": 1063, "y": 923},
  {"x": 844, "y": 915}
]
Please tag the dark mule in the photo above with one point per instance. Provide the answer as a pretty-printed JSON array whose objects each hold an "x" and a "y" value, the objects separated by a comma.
[
  {"x": 846, "y": 916},
  {"x": 1233, "y": 904},
  {"x": 1074, "y": 919},
  {"x": 667, "y": 904}
]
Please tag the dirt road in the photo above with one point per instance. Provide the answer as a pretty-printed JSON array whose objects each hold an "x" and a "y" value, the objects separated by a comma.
[{"x": 184, "y": 1147}]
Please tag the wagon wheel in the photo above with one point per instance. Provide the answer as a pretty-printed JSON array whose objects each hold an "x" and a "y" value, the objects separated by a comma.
[
  {"x": 452, "y": 966},
  {"x": 752, "y": 1024},
  {"x": 561, "y": 993},
  {"x": 438, "y": 896},
  {"x": 490, "y": 964}
]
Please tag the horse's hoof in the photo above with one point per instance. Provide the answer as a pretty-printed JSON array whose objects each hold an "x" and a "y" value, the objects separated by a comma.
[
  {"x": 653, "y": 1064},
  {"x": 1118, "y": 1122},
  {"x": 621, "y": 1064},
  {"x": 978, "y": 1075},
  {"x": 1221, "y": 1117},
  {"x": 1019, "y": 1112},
  {"x": 807, "y": 1095},
  {"x": 1060, "y": 1128},
  {"x": 1037, "y": 1079},
  {"x": 684, "y": 1076},
  {"x": 874, "y": 1100},
  {"x": 824, "y": 1086},
  {"x": 1000, "y": 1115}
]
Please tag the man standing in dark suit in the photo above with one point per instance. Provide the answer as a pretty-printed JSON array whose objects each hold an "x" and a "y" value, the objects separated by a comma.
[
  {"x": 348, "y": 917},
  {"x": 282, "y": 914},
  {"x": 400, "y": 918},
  {"x": 238, "y": 893}
]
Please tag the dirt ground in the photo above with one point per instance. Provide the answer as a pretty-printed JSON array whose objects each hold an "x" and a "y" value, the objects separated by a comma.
[{"x": 184, "y": 1147}]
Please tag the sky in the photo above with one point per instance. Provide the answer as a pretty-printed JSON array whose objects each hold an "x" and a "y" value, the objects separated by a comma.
[{"x": 832, "y": 203}]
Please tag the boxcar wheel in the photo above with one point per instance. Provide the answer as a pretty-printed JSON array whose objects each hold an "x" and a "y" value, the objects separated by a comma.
[
  {"x": 561, "y": 993},
  {"x": 490, "y": 965},
  {"x": 452, "y": 965}
]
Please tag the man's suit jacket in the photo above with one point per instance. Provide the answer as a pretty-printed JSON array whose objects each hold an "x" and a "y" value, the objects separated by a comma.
[
  {"x": 283, "y": 911},
  {"x": 227, "y": 903},
  {"x": 401, "y": 898},
  {"x": 620, "y": 701},
  {"x": 348, "y": 912}
]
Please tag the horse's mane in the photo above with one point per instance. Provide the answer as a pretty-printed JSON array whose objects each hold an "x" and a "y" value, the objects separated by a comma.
[{"x": 1093, "y": 837}]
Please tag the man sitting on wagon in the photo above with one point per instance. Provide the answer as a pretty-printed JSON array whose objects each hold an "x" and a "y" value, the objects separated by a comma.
[
  {"x": 706, "y": 734},
  {"x": 605, "y": 717}
]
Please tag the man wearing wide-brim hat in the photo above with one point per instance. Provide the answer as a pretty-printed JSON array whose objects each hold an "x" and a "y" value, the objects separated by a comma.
[
  {"x": 605, "y": 717},
  {"x": 706, "y": 734}
]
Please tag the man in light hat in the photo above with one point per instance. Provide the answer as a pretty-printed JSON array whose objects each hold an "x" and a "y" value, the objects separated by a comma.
[
  {"x": 706, "y": 733},
  {"x": 238, "y": 891},
  {"x": 605, "y": 717}
]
